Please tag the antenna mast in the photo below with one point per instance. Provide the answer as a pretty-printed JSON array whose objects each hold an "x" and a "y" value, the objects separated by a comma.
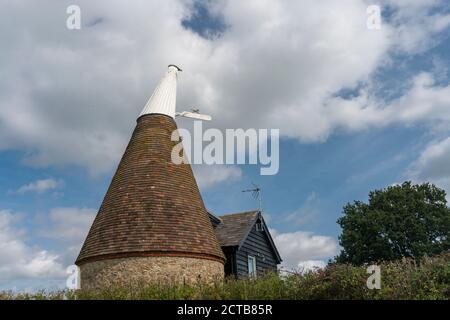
[{"x": 256, "y": 194}]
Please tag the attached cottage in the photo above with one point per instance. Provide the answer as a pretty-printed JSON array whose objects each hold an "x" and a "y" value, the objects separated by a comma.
[{"x": 246, "y": 243}]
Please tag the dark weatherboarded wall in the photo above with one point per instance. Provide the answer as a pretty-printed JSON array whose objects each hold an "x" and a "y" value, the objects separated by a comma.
[{"x": 257, "y": 244}]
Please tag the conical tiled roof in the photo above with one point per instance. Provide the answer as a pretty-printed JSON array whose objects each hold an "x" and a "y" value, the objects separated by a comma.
[{"x": 153, "y": 207}]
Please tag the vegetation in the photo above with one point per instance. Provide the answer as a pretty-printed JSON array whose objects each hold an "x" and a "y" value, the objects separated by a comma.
[
  {"x": 400, "y": 221},
  {"x": 404, "y": 229},
  {"x": 428, "y": 278}
]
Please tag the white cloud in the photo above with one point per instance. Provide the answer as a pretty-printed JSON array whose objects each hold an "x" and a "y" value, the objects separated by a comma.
[
  {"x": 41, "y": 186},
  {"x": 306, "y": 212},
  {"x": 18, "y": 260},
  {"x": 69, "y": 224},
  {"x": 415, "y": 24},
  {"x": 433, "y": 165},
  {"x": 30, "y": 265},
  {"x": 208, "y": 176},
  {"x": 75, "y": 98},
  {"x": 69, "y": 227},
  {"x": 311, "y": 265},
  {"x": 303, "y": 249},
  {"x": 423, "y": 102}
]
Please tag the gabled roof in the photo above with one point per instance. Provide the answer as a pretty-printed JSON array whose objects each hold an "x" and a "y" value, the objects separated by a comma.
[
  {"x": 215, "y": 220},
  {"x": 234, "y": 229}
]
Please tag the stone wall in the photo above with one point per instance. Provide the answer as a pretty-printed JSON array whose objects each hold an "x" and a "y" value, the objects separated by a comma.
[{"x": 139, "y": 271}]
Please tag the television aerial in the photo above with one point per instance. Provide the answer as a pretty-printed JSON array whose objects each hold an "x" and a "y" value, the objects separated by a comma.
[{"x": 256, "y": 194}]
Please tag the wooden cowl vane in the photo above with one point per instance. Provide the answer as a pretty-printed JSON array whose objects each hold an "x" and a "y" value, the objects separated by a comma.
[{"x": 152, "y": 224}]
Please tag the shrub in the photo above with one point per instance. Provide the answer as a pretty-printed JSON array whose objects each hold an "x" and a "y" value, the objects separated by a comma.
[{"x": 403, "y": 279}]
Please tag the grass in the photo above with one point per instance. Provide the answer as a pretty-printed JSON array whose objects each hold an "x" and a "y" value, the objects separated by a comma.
[{"x": 405, "y": 279}]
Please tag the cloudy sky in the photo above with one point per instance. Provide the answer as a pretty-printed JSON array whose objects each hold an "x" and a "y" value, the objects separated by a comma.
[{"x": 357, "y": 109}]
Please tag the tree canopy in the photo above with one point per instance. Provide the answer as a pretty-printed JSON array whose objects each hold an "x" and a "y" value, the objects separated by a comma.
[{"x": 408, "y": 220}]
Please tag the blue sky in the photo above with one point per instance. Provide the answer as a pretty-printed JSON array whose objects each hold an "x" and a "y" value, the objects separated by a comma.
[{"x": 68, "y": 111}]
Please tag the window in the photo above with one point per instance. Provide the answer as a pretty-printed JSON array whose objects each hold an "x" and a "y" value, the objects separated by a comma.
[
  {"x": 252, "y": 266},
  {"x": 259, "y": 226}
]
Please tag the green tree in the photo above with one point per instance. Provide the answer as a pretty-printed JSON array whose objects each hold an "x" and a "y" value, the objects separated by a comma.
[{"x": 400, "y": 221}]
